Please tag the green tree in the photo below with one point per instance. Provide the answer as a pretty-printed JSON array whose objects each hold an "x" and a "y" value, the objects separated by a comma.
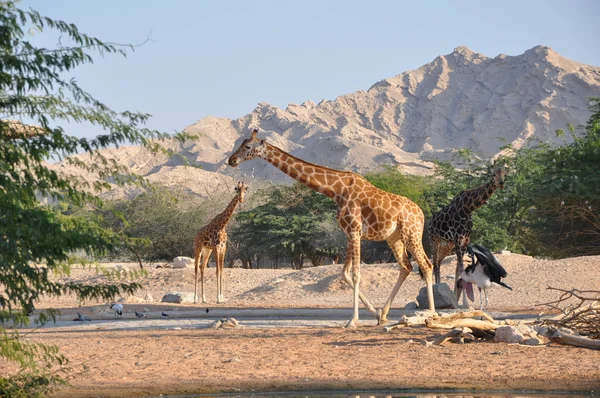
[
  {"x": 391, "y": 180},
  {"x": 36, "y": 240},
  {"x": 293, "y": 221},
  {"x": 167, "y": 220},
  {"x": 565, "y": 208}
]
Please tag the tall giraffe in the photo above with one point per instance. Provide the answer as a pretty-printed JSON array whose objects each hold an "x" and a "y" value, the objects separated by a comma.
[
  {"x": 450, "y": 228},
  {"x": 364, "y": 212},
  {"x": 213, "y": 237}
]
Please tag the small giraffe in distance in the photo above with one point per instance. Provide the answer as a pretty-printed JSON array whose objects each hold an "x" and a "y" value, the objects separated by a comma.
[
  {"x": 364, "y": 212},
  {"x": 450, "y": 228},
  {"x": 213, "y": 237}
]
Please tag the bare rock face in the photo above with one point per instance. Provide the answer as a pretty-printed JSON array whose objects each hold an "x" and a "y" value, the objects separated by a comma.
[{"x": 459, "y": 100}]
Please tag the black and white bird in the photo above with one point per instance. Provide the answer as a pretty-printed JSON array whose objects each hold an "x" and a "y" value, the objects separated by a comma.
[
  {"x": 140, "y": 315},
  {"x": 485, "y": 272},
  {"x": 118, "y": 309}
]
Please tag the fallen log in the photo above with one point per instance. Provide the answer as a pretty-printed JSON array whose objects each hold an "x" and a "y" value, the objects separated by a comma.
[
  {"x": 407, "y": 321},
  {"x": 578, "y": 341},
  {"x": 463, "y": 319},
  {"x": 441, "y": 323},
  {"x": 459, "y": 334}
]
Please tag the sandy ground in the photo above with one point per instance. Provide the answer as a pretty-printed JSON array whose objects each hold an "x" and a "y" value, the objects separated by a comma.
[{"x": 181, "y": 354}]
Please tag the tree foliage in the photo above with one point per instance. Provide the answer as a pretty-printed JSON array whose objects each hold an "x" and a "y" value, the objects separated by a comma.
[
  {"x": 294, "y": 221},
  {"x": 36, "y": 96},
  {"x": 166, "y": 221}
]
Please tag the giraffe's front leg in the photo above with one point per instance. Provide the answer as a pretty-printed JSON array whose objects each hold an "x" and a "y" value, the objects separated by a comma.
[
  {"x": 206, "y": 252},
  {"x": 348, "y": 277},
  {"x": 220, "y": 263}
]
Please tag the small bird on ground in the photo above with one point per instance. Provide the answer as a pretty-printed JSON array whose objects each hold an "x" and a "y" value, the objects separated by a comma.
[
  {"x": 484, "y": 272},
  {"x": 164, "y": 314},
  {"x": 140, "y": 315},
  {"x": 118, "y": 309},
  {"x": 81, "y": 318},
  {"x": 207, "y": 310}
]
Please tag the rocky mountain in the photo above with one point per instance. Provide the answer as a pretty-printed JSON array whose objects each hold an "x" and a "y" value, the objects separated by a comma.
[{"x": 459, "y": 100}]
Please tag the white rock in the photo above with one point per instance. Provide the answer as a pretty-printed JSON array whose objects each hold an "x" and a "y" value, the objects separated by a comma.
[
  {"x": 178, "y": 297},
  {"x": 516, "y": 334},
  {"x": 183, "y": 262}
]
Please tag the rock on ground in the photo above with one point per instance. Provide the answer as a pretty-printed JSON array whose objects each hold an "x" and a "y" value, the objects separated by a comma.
[
  {"x": 183, "y": 262},
  {"x": 443, "y": 297},
  {"x": 178, "y": 297}
]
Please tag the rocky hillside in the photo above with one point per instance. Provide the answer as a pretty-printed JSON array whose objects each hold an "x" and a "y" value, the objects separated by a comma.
[{"x": 459, "y": 100}]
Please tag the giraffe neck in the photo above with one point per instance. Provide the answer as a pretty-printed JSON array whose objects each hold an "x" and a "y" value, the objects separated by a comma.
[
  {"x": 321, "y": 179},
  {"x": 478, "y": 196},
  {"x": 223, "y": 219}
]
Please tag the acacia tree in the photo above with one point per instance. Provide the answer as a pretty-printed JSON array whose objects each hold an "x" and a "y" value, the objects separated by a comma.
[
  {"x": 294, "y": 221},
  {"x": 37, "y": 95}
]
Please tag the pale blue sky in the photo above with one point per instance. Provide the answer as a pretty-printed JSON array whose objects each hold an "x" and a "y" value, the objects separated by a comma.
[{"x": 221, "y": 58}]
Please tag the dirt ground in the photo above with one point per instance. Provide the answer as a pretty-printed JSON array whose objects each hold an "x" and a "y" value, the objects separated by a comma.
[{"x": 107, "y": 360}]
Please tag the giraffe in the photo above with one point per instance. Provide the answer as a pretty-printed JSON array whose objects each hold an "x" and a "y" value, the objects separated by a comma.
[
  {"x": 364, "y": 212},
  {"x": 450, "y": 228},
  {"x": 213, "y": 237}
]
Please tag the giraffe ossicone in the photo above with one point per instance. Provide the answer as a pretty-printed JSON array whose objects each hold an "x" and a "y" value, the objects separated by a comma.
[
  {"x": 364, "y": 212},
  {"x": 213, "y": 237}
]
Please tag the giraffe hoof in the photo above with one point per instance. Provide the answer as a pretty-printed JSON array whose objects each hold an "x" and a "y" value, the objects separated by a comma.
[
  {"x": 380, "y": 318},
  {"x": 351, "y": 325}
]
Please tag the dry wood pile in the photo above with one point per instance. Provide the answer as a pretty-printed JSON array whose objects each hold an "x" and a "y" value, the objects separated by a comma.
[
  {"x": 578, "y": 321},
  {"x": 581, "y": 317}
]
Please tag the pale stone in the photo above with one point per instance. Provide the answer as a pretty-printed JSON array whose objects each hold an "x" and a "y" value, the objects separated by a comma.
[
  {"x": 516, "y": 334},
  {"x": 183, "y": 262},
  {"x": 178, "y": 297}
]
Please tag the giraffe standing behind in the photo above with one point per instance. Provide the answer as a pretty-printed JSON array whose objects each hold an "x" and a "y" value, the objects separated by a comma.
[
  {"x": 364, "y": 212},
  {"x": 450, "y": 228},
  {"x": 213, "y": 237}
]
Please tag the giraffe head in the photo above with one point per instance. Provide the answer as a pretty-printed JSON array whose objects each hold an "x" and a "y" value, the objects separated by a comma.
[
  {"x": 241, "y": 190},
  {"x": 499, "y": 174},
  {"x": 250, "y": 148}
]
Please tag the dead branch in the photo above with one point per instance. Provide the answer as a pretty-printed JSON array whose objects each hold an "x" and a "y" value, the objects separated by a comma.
[
  {"x": 579, "y": 311},
  {"x": 460, "y": 334},
  {"x": 463, "y": 319},
  {"x": 407, "y": 321},
  {"x": 579, "y": 341}
]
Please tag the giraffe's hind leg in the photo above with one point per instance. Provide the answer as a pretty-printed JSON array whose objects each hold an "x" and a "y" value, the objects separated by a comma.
[
  {"x": 440, "y": 249},
  {"x": 197, "y": 254},
  {"x": 399, "y": 250},
  {"x": 415, "y": 246}
]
